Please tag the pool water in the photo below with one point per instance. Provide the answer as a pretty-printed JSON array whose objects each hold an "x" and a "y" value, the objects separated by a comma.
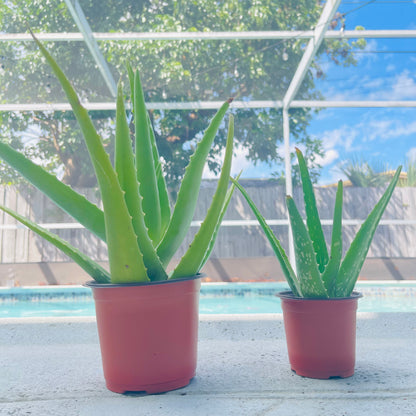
[{"x": 216, "y": 298}]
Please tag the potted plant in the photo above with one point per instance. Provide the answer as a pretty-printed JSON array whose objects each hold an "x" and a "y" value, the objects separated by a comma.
[
  {"x": 147, "y": 318},
  {"x": 319, "y": 311}
]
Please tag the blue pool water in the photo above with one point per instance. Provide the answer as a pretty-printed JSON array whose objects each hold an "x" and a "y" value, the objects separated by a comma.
[{"x": 228, "y": 298}]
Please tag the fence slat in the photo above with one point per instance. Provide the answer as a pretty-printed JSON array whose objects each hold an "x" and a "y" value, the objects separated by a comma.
[{"x": 242, "y": 240}]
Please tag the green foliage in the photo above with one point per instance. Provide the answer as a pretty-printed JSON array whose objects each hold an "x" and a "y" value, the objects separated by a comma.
[
  {"x": 320, "y": 276},
  {"x": 363, "y": 173},
  {"x": 133, "y": 226},
  {"x": 178, "y": 71},
  {"x": 409, "y": 178}
]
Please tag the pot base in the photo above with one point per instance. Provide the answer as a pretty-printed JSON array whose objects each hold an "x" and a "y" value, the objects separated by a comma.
[
  {"x": 150, "y": 388},
  {"x": 324, "y": 375}
]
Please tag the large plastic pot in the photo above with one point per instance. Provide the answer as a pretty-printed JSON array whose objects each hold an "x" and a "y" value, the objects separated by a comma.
[
  {"x": 148, "y": 333},
  {"x": 320, "y": 335}
]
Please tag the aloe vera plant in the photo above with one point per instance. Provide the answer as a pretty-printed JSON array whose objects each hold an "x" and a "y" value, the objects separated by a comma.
[
  {"x": 320, "y": 274},
  {"x": 141, "y": 231}
]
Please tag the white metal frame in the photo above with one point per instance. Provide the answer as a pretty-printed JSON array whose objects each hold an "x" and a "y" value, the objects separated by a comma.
[
  {"x": 266, "y": 34},
  {"x": 81, "y": 21}
]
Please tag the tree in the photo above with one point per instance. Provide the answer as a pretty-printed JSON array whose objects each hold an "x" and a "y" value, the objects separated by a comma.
[{"x": 171, "y": 71}]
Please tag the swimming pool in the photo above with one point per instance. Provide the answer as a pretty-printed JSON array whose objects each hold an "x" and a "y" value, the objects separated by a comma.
[{"x": 216, "y": 298}]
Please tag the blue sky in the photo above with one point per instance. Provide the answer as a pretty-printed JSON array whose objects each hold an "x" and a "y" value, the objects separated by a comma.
[{"x": 385, "y": 71}]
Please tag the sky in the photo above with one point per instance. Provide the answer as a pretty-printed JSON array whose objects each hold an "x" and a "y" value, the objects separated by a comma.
[{"x": 385, "y": 71}]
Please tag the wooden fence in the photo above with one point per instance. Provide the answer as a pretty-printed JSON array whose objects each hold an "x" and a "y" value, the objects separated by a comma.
[{"x": 397, "y": 238}]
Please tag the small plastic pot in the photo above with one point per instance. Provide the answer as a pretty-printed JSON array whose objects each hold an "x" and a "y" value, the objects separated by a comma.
[
  {"x": 148, "y": 333},
  {"x": 320, "y": 335}
]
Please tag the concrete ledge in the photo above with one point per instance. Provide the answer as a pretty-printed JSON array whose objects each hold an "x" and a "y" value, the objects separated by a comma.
[{"x": 52, "y": 366}]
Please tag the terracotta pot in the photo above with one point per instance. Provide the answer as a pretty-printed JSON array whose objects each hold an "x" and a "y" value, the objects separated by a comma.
[
  {"x": 320, "y": 335},
  {"x": 148, "y": 333}
]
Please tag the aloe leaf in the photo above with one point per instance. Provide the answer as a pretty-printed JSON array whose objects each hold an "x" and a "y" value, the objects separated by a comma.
[
  {"x": 312, "y": 215},
  {"x": 191, "y": 261},
  {"x": 356, "y": 254},
  {"x": 125, "y": 258},
  {"x": 146, "y": 171},
  {"x": 97, "y": 272},
  {"x": 287, "y": 269},
  {"x": 308, "y": 273},
  {"x": 188, "y": 193},
  {"x": 76, "y": 205},
  {"x": 130, "y": 73},
  {"x": 161, "y": 184},
  {"x": 217, "y": 228},
  {"x": 126, "y": 172},
  {"x": 331, "y": 269}
]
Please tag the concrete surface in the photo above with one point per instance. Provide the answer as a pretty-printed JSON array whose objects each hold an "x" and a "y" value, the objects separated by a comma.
[
  {"x": 249, "y": 269},
  {"x": 52, "y": 366}
]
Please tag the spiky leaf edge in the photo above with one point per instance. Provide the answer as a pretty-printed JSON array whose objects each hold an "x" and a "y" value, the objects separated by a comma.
[
  {"x": 145, "y": 166},
  {"x": 164, "y": 203},
  {"x": 312, "y": 216},
  {"x": 126, "y": 172},
  {"x": 307, "y": 268}
]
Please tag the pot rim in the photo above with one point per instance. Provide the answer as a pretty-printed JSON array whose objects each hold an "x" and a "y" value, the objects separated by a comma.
[
  {"x": 288, "y": 294},
  {"x": 93, "y": 284}
]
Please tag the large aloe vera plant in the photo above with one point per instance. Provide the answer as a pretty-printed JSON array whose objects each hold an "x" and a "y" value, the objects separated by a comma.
[
  {"x": 320, "y": 274},
  {"x": 141, "y": 231}
]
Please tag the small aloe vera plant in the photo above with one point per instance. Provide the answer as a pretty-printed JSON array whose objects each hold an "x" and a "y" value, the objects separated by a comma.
[
  {"x": 320, "y": 274},
  {"x": 141, "y": 231}
]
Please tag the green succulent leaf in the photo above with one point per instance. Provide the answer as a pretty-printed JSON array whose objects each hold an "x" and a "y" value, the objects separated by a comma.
[
  {"x": 130, "y": 73},
  {"x": 188, "y": 193},
  {"x": 161, "y": 184},
  {"x": 287, "y": 269},
  {"x": 97, "y": 272},
  {"x": 145, "y": 166},
  {"x": 125, "y": 258},
  {"x": 76, "y": 205},
  {"x": 217, "y": 228},
  {"x": 312, "y": 215},
  {"x": 309, "y": 277},
  {"x": 356, "y": 254},
  {"x": 191, "y": 262},
  {"x": 126, "y": 172},
  {"x": 331, "y": 270}
]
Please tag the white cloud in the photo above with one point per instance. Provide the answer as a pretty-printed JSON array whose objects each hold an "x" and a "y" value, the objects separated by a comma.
[
  {"x": 369, "y": 57},
  {"x": 240, "y": 162},
  {"x": 375, "y": 129},
  {"x": 332, "y": 176},
  {"x": 329, "y": 157},
  {"x": 404, "y": 87},
  {"x": 399, "y": 87},
  {"x": 353, "y": 138},
  {"x": 389, "y": 129},
  {"x": 343, "y": 137},
  {"x": 411, "y": 154}
]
